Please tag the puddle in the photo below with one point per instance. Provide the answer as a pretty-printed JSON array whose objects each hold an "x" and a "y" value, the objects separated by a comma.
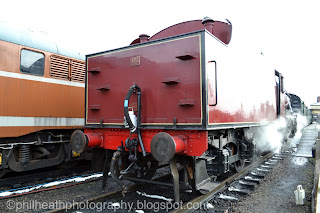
[{"x": 299, "y": 161}]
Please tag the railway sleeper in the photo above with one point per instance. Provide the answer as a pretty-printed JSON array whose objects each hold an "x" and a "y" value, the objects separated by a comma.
[{"x": 247, "y": 184}]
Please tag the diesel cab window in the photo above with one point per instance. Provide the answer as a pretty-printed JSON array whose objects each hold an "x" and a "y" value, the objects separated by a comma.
[{"x": 32, "y": 62}]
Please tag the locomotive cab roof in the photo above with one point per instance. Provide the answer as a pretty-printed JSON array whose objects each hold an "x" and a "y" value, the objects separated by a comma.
[{"x": 38, "y": 40}]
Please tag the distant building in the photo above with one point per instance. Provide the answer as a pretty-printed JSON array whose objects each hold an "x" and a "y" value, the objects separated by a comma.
[{"x": 315, "y": 109}]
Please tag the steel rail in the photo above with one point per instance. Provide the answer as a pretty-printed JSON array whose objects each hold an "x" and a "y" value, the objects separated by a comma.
[
  {"x": 103, "y": 197},
  {"x": 195, "y": 202},
  {"x": 199, "y": 201}
]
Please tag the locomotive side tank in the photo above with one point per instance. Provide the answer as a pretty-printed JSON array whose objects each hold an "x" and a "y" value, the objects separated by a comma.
[{"x": 195, "y": 99}]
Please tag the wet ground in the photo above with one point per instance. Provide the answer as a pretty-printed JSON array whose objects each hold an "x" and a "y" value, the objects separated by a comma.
[{"x": 276, "y": 192}]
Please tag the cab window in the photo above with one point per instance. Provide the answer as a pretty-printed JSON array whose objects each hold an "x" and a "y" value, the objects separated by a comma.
[{"x": 32, "y": 62}]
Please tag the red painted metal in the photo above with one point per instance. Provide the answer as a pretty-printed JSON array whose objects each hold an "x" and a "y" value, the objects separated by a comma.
[
  {"x": 221, "y": 30},
  {"x": 189, "y": 142},
  {"x": 190, "y": 84},
  {"x": 180, "y": 144},
  {"x": 208, "y": 24},
  {"x": 241, "y": 88},
  {"x": 143, "y": 38},
  {"x": 94, "y": 139},
  {"x": 147, "y": 66}
]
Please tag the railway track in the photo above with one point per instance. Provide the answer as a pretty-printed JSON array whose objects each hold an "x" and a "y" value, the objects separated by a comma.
[
  {"x": 114, "y": 195},
  {"x": 17, "y": 181},
  {"x": 163, "y": 201},
  {"x": 200, "y": 201}
]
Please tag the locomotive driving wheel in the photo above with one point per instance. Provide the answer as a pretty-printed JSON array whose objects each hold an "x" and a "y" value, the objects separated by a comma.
[{"x": 238, "y": 165}]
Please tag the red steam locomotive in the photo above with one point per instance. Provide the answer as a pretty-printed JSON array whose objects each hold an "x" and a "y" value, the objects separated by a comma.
[{"x": 183, "y": 95}]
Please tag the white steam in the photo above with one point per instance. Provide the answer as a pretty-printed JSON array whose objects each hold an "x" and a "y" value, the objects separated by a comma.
[
  {"x": 302, "y": 122},
  {"x": 272, "y": 137}
]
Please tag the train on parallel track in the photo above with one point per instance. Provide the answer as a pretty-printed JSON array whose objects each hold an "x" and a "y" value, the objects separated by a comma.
[
  {"x": 42, "y": 96},
  {"x": 299, "y": 107}
]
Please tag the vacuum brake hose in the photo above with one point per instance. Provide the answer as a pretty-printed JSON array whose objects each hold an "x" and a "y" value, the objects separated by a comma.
[{"x": 136, "y": 129}]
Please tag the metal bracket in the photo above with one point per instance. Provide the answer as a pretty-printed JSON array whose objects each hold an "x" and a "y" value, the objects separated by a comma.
[{"x": 175, "y": 176}]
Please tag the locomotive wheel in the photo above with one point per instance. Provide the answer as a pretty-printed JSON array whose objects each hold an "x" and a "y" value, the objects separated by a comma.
[{"x": 238, "y": 165}]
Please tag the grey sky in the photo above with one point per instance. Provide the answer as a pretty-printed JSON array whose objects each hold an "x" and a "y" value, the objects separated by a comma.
[{"x": 286, "y": 31}]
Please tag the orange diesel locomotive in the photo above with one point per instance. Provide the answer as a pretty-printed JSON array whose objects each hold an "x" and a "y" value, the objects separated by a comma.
[{"x": 42, "y": 96}]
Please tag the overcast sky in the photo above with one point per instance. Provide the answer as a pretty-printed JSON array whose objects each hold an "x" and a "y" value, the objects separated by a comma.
[{"x": 287, "y": 32}]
